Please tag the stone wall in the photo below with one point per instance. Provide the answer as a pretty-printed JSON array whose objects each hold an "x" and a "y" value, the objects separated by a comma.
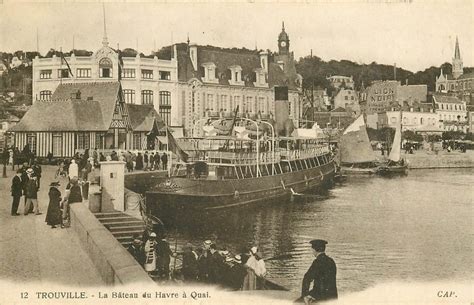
[{"x": 113, "y": 262}]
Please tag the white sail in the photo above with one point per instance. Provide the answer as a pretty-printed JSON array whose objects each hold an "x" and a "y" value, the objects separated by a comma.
[
  {"x": 355, "y": 144},
  {"x": 395, "y": 153}
]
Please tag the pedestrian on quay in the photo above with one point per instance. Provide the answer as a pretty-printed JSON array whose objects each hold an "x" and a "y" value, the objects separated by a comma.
[
  {"x": 237, "y": 273},
  {"x": 157, "y": 161},
  {"x": 190, "y": 264},
  {"x": 136, "y": 250},
  {"x": 145, "y": 161},
  {"x": 73, "y": 195},
  {"x": 250, "y": 280},
  {"x": 150, "y": 253},
  {"x": 37, "y": 170},
  {"x": 151, "y": 159},
  {"x": 53, "y": 215},
  {"x": 139, "y": 162},
  {"x": 215, "y": 265},
  {"x": 73, "y": 170},
  {"x": 323, "y": 273},
  {"x": 203, "y": 262},
  {"x": 17, "y": 192},
  {"x": 163, "y": 257},
  {"x": 31, "y": 193},
  {"x": 164, "y": 161}
]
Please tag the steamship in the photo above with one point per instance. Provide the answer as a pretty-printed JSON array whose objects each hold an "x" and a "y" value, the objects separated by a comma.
[{"x": 243, "y": 175}]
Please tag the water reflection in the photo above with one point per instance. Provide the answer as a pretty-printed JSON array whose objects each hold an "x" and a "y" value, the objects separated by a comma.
[{"x": 417, "y": 227}]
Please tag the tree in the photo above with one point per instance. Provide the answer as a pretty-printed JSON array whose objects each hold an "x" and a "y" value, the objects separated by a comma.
[{"x": 410, "y": 135}]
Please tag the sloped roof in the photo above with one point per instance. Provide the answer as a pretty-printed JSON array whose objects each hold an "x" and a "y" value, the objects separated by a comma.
[
  {"x": 66, "y": 113},
  {"x": 70, "y": 115},
  {"x": 143, "y": 117},
  {"x": 224, "y": 58},
  {"x": 104, "y": 92},
  {"x": 440, "y": 98}
]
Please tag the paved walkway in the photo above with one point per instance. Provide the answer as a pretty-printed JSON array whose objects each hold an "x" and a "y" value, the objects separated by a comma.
[{"x": 31, "y": 251}]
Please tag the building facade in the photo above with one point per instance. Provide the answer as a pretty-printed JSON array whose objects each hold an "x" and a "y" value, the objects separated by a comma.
[
  {"x": 83, "y": 116},
  {"x": 214, "y": 82},
  {"x": 452, "y": 112},
  {"x": 347, "y": 99},
  {"x": 421, "y": 118},
  {"x": 145, "y": 80},
  {"x": 459, "y": 83},
  {"x": 338, "y": 81}
]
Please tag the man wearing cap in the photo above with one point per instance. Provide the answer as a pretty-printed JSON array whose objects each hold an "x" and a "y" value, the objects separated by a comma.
[
  {"x": 203, "y": 262},
  {"x": 322, "y": 272},
  {"x": 17, "y": 191},
  {"x": 31, "y": 193},
  {"x": 190, "y": 263},
  {"x": 73, "y": 194}
]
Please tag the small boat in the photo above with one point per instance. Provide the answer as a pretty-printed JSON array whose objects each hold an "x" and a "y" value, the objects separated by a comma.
[
  {"x": 356, "y": 155},
  {"x": 395, "y": 163}
]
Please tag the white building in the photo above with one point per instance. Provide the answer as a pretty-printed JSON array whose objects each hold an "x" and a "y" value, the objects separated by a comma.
[
  {"x": 145, "y": 80},
  {"x": 338, "y": 80},
  {"x": 419, "y": 118},
  {"x": 452, "y": 112},
  {"x": 347, "y": 99}
]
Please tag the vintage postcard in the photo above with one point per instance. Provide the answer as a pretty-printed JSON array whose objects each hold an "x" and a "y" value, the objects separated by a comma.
[{"x": 236, "y": 152}]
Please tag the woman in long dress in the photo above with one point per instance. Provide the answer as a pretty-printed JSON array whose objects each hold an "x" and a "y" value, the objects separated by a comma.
[{"x": 53, "y": 216}]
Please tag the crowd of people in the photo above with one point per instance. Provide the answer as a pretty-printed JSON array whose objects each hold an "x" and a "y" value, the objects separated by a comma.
[
  {"x": 207, "y": 264},
  {"x": 26, "y": 183}
]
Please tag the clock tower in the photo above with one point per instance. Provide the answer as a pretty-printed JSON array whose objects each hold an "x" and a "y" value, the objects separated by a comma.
[{"x": 283, "y": 41}]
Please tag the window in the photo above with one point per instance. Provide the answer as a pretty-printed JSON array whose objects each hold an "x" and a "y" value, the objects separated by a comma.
[
  {"x": 45, "y": 95},
  {"x": 147, "y": 97},
  {"x": 128, "y": 73},
  {"x": 210, "y": 101},
  {"x": 224, "y": 102},
  {"x": 82, "y": 140},
  {"x": 63, "y": 73},
  {"x": 83, "y": 73},
  {"x": 57, "y": 144},
  {"x": 421, "y": 121},
  {"x": 352, "y": 98},
  {"x": 237, "y": 103},
  {"x": 129, "y": 96},
  {"x": 165, "y": 106},
  {"x": 147, "y": 74},
  {"x": 165, "y": 75},
  {"x": 250, "y": 105},
  {"x": 105, "y": 68},
  {"x": 99, "y": 140},
  {"x": 45, "y": 74},
  {"x": 31, "y": 140},
  {"x": 393, "y": 120},
  {"x": 137, "y": 141},
  {"x": 346, "y": 97}
]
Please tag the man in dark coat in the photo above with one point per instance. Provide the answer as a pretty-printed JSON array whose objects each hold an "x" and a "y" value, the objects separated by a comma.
[
  {"x": 37, "y": 170},
  {"x": 322, "y": 272},
  {"x": 136, "y": 250},
  {"x": 157, "y": 161},
  {"x": 164, "y": 160},
  {"x": 163, "y": 255},
  {"x": 216, "y": 262},
  {"x": 31, "y": 193},
  {"x": 17, "y": 191},
  {"x": 190, "y": 264},
  {"x": 53, "y": 215}
]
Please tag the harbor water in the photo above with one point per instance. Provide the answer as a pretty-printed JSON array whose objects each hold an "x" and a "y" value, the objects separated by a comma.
[{"x": 415, "y": 228}]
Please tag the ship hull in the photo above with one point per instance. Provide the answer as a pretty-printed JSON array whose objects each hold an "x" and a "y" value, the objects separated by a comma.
[{"x": 190, "y": 196}]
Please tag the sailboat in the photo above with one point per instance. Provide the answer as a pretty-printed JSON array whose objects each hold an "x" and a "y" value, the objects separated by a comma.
[
  {"x": 395, "y": 164},
  {"x": 356, "y": 154}
]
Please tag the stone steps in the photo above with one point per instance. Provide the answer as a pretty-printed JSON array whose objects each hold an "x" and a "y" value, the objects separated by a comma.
[{"x": 121, "y": 225}]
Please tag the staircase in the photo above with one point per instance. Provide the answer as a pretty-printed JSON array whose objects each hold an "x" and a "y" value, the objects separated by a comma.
[{"x": 121, "y": 225}]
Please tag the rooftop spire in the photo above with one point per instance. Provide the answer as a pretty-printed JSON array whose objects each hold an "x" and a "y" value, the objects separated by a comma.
[
  {"x": 283, "y": 26},
  {"x": 105, "y": 42},
  {"x": 457, "y": 53}
]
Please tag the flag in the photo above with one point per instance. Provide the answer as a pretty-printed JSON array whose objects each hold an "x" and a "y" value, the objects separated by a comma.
[
  {"x": 174, "y": 147},
  {"x": 67, "y": 64}
]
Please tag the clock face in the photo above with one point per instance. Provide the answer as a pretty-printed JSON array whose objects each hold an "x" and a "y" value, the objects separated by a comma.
[{"x": 283, "y": 44}]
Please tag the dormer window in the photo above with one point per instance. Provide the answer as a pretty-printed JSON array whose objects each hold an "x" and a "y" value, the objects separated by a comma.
[
  {"x": 105, "y": 68},
  {"x": 236, "y": 76},
  {"x": 210, "y": 73},
  {"x": 260, "y": 78}
]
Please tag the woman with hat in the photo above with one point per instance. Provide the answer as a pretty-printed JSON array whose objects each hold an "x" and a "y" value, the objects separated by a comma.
[
  {"x": 53, "y": 215},
  {"x": 150, "y": 253}
]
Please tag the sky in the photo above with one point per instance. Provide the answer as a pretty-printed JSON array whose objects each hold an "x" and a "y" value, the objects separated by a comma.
[{"x": 413, "y": 34}]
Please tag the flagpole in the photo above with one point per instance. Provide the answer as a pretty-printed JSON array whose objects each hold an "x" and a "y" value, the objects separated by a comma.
[
  {"x": 168, "y": 152},
  {"x": 61, "y": 66}
]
